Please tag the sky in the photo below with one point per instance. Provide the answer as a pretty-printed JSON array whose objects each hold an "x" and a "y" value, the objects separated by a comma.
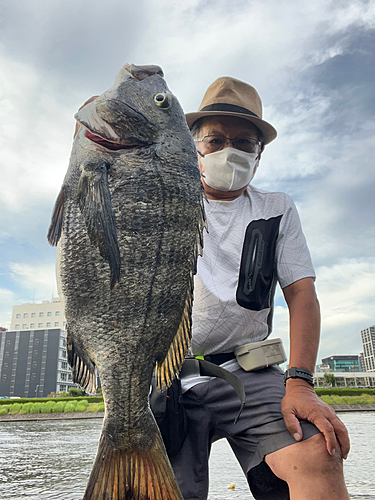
[{"x": 313, "y": 63}]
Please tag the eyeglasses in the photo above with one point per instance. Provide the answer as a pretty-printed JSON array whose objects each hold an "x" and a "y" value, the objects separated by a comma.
[{"x": 217, "y": 142}]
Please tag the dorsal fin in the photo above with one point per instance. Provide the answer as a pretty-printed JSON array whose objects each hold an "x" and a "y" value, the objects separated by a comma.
[{"x": 171, "y": 365}]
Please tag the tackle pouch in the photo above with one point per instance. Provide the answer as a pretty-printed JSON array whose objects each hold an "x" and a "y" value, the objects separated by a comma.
[
  {"x": 170, "y": 415},
  {"x": 258, "y": 355}
]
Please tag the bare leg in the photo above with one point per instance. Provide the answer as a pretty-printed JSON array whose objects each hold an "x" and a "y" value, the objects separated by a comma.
[{"x": 309, "y": 470}]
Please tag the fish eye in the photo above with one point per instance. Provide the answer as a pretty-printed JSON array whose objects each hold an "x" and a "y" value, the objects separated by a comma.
[{"x": 162, "y": 100}]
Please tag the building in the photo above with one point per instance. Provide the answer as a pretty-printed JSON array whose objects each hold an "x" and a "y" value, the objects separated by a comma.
[
  {"x": 322, "y": 368},
  {"x": 33, "y": 355},
  {"x": 362, "y": 364},
  {"x": 34, "y": 363},
  {"x": 342, "y": 363},
  {"x": 347, "y": 379},
  {"x": 46, "y": 315},
  {"x": 368, "y": 342}
]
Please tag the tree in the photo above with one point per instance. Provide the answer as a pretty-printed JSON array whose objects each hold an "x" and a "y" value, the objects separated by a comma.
[
  {"x": 76, "y": 392},
  {"x": 329, "y": 379}
]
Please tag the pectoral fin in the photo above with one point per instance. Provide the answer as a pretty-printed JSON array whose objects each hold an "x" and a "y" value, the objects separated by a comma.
[
  {"x": 55, "y": 228},
  {"x": 82, "y": 366},
  {"x": 94, "y": 200}
]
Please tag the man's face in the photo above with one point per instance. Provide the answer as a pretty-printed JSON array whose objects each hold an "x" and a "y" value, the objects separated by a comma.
[{"x": 232, "y": 128}]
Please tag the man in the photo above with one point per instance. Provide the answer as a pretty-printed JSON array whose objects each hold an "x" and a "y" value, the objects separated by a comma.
[{"x": 288, "y": 442}]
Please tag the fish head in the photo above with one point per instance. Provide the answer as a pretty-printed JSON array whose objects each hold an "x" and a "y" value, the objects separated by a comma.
[{"x": 138, "y": 110}]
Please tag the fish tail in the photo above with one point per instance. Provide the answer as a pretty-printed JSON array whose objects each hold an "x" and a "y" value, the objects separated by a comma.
[{"x": 132, "y": 475}]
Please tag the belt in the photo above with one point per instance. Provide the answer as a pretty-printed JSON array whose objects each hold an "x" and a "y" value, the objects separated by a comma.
[
  {"x": 219, "y": 359},
  {"x": 202, "y": 367}
]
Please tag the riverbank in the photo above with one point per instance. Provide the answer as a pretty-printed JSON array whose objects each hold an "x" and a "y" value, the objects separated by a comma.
[
  {"x": 347, "y": 408},
  {"x": 29, "y": 417},
  {"x": 85, "y": 415}
]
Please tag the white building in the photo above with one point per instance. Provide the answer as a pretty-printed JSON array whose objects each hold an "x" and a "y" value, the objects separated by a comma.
[
  {"x": 368, "y": 342},
  {"x": 44, "y": 316},
  {"x": 347, "y": 379}
]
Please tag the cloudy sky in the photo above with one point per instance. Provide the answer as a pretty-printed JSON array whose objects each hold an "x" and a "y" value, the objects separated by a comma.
[{"x": 313, "y": 64}]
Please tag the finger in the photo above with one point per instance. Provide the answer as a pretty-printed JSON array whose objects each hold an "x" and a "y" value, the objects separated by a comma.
[
  {"x": 328, "y": 431},
  {"x": 342, "y": 436},
  {"x": 293, "y": 425}
]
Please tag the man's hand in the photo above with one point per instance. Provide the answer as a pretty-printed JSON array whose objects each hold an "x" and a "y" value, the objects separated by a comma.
[{"x": 301, "y": 402}]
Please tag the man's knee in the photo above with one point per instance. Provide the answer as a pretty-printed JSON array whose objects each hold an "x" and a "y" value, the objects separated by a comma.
[
  {"x": 306, "y": 458},
  {"x": 264, "y": 485}
]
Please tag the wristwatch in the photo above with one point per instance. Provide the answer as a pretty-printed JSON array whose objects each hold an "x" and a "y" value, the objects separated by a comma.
[{"x": 294, "y": 372}]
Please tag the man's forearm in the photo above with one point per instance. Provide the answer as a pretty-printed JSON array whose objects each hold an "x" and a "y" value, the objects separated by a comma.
[{"x": 304, "y": 314}]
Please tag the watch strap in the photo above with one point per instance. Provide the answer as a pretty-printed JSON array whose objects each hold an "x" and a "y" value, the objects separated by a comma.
[{"x": 294, "y": 372}]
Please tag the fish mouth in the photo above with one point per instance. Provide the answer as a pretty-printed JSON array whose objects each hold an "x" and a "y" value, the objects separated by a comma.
[{"x": 116, "y": 145}]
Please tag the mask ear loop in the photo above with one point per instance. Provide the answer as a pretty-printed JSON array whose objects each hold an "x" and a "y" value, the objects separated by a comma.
[{"x": 202, "y": 175}]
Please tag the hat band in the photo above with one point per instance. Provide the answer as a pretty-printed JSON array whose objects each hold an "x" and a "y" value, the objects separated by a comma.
[{"x": 227, "y": 107}]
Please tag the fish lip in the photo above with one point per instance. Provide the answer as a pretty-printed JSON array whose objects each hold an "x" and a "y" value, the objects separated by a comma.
[{"x": 105, "y": 144}]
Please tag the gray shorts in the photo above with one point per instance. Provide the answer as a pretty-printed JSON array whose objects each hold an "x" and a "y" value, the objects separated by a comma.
[{"x": 212, "y": 408}]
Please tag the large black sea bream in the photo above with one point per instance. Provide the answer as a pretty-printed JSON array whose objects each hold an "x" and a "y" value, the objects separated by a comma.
[{"x": 128, "y": 223}]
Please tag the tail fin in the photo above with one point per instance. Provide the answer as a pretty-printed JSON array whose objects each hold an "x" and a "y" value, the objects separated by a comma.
[{"x": 132, "y": 475}]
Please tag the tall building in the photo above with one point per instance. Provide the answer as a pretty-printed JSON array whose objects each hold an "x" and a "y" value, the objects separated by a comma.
[
  {"x": 368, "y": 342},
  {"x": 33, "y": 356},
  {"x": 362, "y": 364},
  {"x": 342, "y": 363},
  {"x": 33, "y": 363}
]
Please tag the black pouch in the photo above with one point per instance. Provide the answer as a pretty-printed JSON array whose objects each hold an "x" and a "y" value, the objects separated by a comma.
[{"x": 170, "y": 415}]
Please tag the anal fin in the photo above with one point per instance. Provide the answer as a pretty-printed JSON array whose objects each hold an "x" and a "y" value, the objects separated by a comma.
[{"x": 132, "y": 475}]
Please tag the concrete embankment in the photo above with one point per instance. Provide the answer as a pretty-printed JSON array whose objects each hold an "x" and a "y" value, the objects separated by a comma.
[{"x": 346, "y": 408}]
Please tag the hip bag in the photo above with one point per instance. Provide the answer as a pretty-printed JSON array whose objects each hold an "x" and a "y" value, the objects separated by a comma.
[{"x": 258, "y": 355}]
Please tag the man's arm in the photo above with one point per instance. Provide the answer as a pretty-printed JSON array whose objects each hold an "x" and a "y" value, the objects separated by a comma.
[{"x": 300, "y": 399}]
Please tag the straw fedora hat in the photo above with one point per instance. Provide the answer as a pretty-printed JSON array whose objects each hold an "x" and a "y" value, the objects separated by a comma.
[{"x": 230, "y": 97}]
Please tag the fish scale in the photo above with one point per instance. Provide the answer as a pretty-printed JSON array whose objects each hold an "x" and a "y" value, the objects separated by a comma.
[{"x": 128, "y": 223}]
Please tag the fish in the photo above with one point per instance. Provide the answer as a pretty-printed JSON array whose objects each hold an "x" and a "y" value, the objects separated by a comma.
[{"x": 128, "y": 225}]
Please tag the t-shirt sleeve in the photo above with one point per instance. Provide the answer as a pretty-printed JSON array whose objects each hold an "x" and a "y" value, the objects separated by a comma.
[{"x": 292, "y": 254}]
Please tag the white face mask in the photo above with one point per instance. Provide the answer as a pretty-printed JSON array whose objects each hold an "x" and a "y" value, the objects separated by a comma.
[{"x": 229, "y": 169}]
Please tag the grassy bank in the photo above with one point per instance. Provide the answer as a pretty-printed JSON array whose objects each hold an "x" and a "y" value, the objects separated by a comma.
[
  {"x": 68, "y": 405},
  {"x": 93, "y": 404},
  {"x": 347, "y": 396},
  {"x": 344, "y": 391}
]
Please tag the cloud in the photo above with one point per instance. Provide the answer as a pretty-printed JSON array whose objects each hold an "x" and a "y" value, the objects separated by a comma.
[
  {"x": 35, "y": 133},
  {"x": 6, "y": 305},
  {"x": 346, "y": 292},
  {"x": 39, "y": 278},
  {"x": 312, "y": 63}
]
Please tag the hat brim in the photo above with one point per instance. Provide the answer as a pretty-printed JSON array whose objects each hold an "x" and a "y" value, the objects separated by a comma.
[{"x": 269, "y": 132}]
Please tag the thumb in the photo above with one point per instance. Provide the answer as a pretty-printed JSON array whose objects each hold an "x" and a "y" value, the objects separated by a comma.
[{"x": 293, "y": 425}]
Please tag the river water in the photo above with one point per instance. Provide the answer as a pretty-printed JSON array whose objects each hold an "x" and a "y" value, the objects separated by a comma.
[{"x": 48, "y": 460}]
